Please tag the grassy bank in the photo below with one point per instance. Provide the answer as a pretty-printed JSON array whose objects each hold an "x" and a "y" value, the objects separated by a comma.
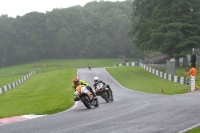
[
  {"x": 50, "y": 90},
  {"x": 46, "y": 93},
  {"x": 136, "y": 78},
  {"x": 180, "y": 71},
  {"x": 13, "y": 73}
]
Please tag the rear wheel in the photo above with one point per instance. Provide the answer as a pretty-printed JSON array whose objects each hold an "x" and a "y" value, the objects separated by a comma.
[
  {"x": 86, "y": 101},
  {"x": 96, "y": 103}
]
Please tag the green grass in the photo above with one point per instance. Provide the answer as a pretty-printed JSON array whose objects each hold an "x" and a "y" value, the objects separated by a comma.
[
  {"x": 46, "y": 93},
  {"x": 10, "y": 79},
  {"x": 55, "y": 64},
  {"x": 79, "y": 63},
  {"x": 50, "y": 90},
  {"x": 180, "y": 71},
  {"x": 138, "y": 79},
  {"x": 196, "y": 130},
  {"x": 13, "y": 73}
]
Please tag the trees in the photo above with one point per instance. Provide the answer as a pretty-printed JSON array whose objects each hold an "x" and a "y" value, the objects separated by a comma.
[
  {"x": 6, "y": 43},
  {"x": 168, "y": 26},
  {"x": 97, "y": 30},
  {"x": 29, "y": 37}
]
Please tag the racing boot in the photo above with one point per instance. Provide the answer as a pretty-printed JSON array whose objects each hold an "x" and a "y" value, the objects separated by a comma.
[
  {"x": 90, "y": 89},
  {"x": 94, "y": 97},
  {"x": 76, "y": 99}
]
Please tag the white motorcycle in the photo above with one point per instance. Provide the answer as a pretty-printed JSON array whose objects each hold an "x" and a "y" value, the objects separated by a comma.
[{"x": 103, "y": 91}]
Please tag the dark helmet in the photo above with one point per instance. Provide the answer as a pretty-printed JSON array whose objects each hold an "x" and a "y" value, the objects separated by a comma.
[{"x": 76, "y": 80}]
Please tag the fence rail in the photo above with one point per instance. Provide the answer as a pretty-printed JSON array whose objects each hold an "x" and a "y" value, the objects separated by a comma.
[
  {"x": 16, "y": 83},
  {"x": 170, "y": 77}
]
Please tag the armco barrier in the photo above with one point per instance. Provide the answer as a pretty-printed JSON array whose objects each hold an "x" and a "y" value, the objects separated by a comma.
[
  {"x": 170, "y": 77},
  {"x": 16, "y": 83}
]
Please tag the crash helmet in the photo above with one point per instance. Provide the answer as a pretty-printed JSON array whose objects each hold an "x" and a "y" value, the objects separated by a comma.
[
  {"x": 76, "y": 80},
  {"x": 96, "y": 79}
]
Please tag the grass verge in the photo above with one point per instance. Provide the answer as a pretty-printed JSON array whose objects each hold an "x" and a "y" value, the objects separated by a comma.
[
  {"x": 138, "y": 79},
  {"x": 45, "y": 93},
  {"x": 50, "y": 91}
]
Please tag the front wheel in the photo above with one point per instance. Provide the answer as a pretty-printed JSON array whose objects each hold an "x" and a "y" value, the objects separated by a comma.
[
  {"x": 111, "y": 97},
  {"x": 86, "y": 101},
  {"x": 105, "y": 96}
]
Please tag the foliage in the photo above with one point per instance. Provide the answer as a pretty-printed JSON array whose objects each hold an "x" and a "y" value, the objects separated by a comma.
[
  {"x": 97, "y": 30},
  {"x": 168, "y": 26}
]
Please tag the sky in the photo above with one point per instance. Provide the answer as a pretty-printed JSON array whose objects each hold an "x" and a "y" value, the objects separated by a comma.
[{"x": 12, "y": 8}]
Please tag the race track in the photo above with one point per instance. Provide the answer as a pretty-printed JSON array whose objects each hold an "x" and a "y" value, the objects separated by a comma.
[{"x": 130, "y": 112}]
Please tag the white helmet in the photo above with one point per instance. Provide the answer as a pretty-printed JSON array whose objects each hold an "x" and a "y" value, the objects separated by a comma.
[{"x": 96, "y": 79}]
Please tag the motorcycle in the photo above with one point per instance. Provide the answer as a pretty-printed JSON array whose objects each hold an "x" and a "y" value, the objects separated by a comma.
[
  {"x": 89, "y": 67},
  {"x": 103, "y": 91},
  {"x": 86, "y": 96}
]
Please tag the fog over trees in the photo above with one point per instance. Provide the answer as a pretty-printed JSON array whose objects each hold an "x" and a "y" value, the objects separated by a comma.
[{"x": 102, "y": 30}]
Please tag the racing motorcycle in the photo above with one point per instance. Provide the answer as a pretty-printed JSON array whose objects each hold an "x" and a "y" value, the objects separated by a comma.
[
  {"x": 89, "y": 67},
  {"x": 86, "y": 96},
  {"x": 103, "y": 91}
]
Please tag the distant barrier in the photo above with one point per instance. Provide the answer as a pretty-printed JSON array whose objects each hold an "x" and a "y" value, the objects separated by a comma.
[{"x": 16, "y": 83}]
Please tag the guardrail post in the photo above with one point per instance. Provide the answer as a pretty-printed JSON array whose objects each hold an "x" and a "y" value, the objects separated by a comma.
[{"x": 192, "y": 83}]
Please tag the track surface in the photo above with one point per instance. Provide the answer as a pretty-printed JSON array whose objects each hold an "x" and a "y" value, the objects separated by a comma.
[{"x": 131, "y": 112}]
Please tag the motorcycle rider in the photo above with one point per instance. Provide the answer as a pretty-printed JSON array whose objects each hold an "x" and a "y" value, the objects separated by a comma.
[
  {"x": 89, "y": 66},
  {"x": 97, "y": 80},
  {"x": 77, "y": 82}
]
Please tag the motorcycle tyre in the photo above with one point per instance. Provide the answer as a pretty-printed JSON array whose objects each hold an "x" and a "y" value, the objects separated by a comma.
[
  {"x": 96, "y": 103},
  {"x": 105, "y": 96},
  {"x": 111, "y": 99},
  {"x": 86, "y": 102}
]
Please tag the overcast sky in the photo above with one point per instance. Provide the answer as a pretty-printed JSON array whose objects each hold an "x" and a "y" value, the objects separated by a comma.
[{"x": 20, "y": 7}]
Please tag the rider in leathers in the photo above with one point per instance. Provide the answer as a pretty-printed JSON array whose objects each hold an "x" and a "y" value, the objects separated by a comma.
[
  {"x": 77, "y": 82},
  {"x": 97, "y": 80}
]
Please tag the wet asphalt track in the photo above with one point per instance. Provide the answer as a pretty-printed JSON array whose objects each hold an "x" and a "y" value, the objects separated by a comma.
[{"x": 131, "y": 112}]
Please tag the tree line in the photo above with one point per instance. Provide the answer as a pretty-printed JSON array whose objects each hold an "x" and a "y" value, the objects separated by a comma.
[
  {"x": 96, "y": 30},
  {"x": 102, "y": 30},
  {"x": 168, "y": 26}
]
